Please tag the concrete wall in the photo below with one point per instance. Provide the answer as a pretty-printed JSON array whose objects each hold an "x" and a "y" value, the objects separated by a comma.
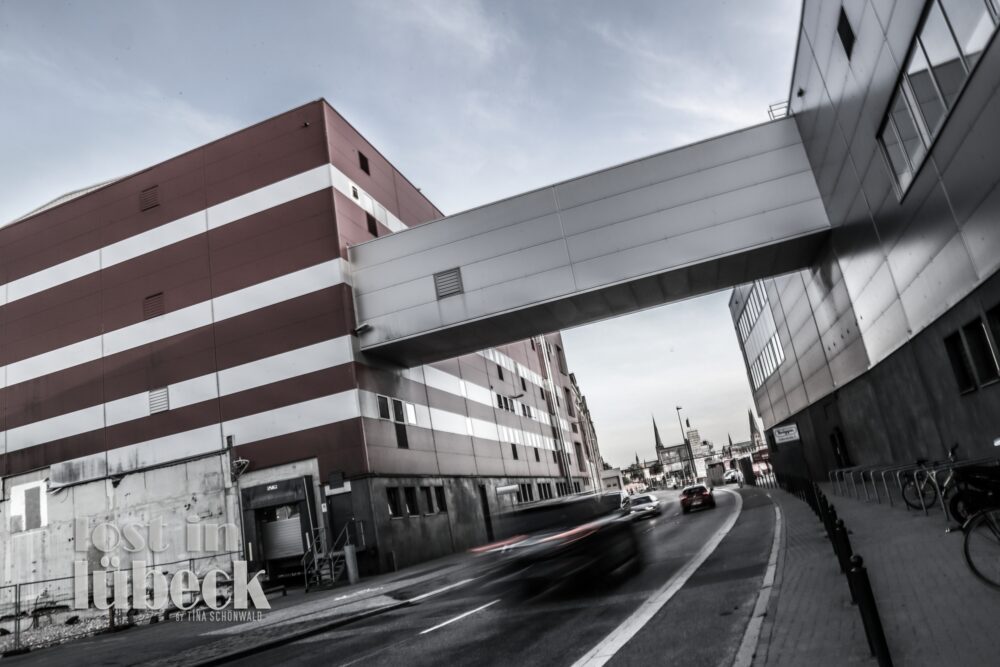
[{"x": 171, "y": 494}]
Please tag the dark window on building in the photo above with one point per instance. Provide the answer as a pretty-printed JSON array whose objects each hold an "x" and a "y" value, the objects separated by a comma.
[
  {"x": 428, "y": 499},
  {"x": 555, "y": 457},
  {"x": 392, "y": 494},
  {"x": 363, "y": 163},
  {"x": 984, "y": 361},
  {"x": 442, "y": 505},
  {"x": 561, "y": 356},
  {"x": 538, "y": 457},
  {"x": 524, "y": 385},
  {"x": 960, "y": 363},
  {"x": 383, "y": 408},
  {"x": 513, "y": 450},
  {"x": 532, "y": 341},
  {"x": 569, "y": 402},
  {"x": 32, "y": 508},
  {"x": 398, "y": 413},
  {"x": 993, "y": 317},
  {"x": 576, "y": 486},
  {"x": 573, "y": 426},
  {"x": 149, "y": 198},
  {"x": 372, "y": 224},
  {"x": 846, "y": 33},
  {"x": 579, "y": 456},
  {"x": 402, "y": 441},
  {"x": 499, "y": 371},
  {"x": 410, "y": 495},
  {"x": 153, "y": 306}
]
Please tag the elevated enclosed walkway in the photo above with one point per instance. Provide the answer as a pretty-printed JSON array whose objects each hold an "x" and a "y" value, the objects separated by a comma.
[{"x": 667, "y": 227}]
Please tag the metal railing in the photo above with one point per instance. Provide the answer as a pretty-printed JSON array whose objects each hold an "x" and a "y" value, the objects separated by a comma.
[{"x": 43, "y": 612}]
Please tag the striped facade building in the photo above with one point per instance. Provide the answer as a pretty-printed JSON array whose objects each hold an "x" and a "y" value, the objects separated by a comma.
[{"x": 180, "y": 346}]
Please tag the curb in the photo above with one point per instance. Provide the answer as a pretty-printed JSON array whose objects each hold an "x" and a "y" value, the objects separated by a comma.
[
  {"x": 748, "y": 649},
  {"x": 223, "y": 658}
]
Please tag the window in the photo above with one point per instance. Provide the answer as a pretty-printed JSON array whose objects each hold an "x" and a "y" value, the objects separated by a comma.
[
  {"x": 383, "y": 407},
  {"x": 984, "y": 361},
  {"x": 574, "y": 427},
  {"x": 363, "y": 163},
  {"x": 960, "y": 363},
  {"x": 576, "y": 486},
  {"x": 513, "y": 450},
  {"x": 846, "y": 33},
  {"x": 28, "y": 506},
  {"x": 579, "y": 456},
  {"x": 561, "y": 357},
  {"x": 538, "y": 457},
  {"x": 532, "y": 342},
  {"x": 410, "y": 495},
  {"x": 392, "y": 495},
  {"x": 402, "y": 439},
  {"x": 569, "y": 402},
  {"x": 439, "y": 493},
  {"x": 524, "y": 385},
  {"x": 397, "y": 410},
  {"x": 500, "y": 371},
  {"x": 372, "y": 224},
  {"x": 428, "y": 499},
  {"x": 948, "y": 42},
  {"x": 152, "y": 306}
]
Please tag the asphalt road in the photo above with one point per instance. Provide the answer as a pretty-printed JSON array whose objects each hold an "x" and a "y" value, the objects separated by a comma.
[{"x": 490, "y": 623}]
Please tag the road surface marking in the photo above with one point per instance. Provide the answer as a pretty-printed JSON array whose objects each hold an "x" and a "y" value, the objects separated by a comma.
[
  {"x": 618, "y": 637},
  {"x": 460, "y": 617},
  {"x": 744, "y": 656},
  {"x": 442, "y": 589}
]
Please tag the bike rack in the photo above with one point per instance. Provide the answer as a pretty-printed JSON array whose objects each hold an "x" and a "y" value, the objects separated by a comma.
[{"x": 953, "y": 465}]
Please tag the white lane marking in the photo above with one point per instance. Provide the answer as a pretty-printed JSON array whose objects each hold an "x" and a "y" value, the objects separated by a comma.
[
  {"x": 744, "y": 656},
  {"x": 442, "y": 589},
  {"x": 618, "y": 637},
  {"x": 460, "y": 617}
]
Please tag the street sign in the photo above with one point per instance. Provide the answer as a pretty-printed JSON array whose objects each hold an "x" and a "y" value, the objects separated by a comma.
[{"x": 786, "y": 433}]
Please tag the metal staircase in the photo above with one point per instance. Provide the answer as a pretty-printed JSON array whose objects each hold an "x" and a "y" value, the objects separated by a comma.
[{"x": 323, "y": 569}]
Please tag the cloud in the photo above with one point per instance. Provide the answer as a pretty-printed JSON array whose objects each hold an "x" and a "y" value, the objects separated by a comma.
[{"x": 465, "y": 23}]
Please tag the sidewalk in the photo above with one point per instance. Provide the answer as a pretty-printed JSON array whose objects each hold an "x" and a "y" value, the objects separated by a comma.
[
  {"x": 933, "y": 609},
  {"x": 190, "y": 642}
]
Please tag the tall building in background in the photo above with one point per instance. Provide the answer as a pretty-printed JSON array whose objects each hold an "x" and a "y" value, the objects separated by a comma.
[
  {"x": 886, "y": 348},
  {"x": 181, "y": 344}
]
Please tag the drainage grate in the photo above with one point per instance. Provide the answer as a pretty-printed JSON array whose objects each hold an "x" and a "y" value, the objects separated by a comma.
[{"x": 448, "y": 282}]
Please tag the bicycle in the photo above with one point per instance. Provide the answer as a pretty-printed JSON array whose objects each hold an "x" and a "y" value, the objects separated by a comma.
[
  {"x": 982, "y": 545},
  {"x": 919, "y": 491}
]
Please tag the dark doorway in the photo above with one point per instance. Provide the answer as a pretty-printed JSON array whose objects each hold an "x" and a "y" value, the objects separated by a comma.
[
  {"x": 839, "y": 446},
  {"x": 485, "y": 502}
]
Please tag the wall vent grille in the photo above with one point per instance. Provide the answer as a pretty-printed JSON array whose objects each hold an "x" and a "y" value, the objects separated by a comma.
[
  {"x": 149, "y": 198},
  {"x": 159, "y": 400},
  {"x": 152, "y": 306},
  {"x": 448, "y": 283}
]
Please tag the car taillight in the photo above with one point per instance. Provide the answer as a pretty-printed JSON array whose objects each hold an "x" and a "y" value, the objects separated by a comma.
[
  {"x": 499, "y": 545},
  {"x": 574, "y": 534}
]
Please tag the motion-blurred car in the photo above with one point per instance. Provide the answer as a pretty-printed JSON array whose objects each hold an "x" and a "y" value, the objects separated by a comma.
[
  {"x": 731, "y": 476},
  {"x": 576, "y": 537},
  {"x": 645, "y": 506},
  {"x": 696, "y": 496}
]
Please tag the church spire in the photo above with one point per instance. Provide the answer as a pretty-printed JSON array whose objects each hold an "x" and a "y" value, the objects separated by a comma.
[{"x": 656, "y": 435}]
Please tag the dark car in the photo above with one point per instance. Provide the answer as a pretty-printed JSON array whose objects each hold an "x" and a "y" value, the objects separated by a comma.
[
  {"x": 696, "y": 496},
  {"x": 645, "y": 506},
  {"x": 576, "y": 537}
]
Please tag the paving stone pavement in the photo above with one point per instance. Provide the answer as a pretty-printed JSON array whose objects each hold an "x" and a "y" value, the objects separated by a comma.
[{"x": 933, "y": 609}]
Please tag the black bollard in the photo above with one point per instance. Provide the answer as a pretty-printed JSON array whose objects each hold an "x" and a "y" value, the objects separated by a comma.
[
  {"x": 862, "y": 588},
  {"x": 842, "y": 547}
]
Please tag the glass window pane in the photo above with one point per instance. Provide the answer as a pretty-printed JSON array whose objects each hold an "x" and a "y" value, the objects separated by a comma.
[
  {"x": 383, "y": 407},
  {"x": 925, "y": 95},
  {"x": 397, "y": 410},
  {"x": 906, "y": 130},
  {"x": 972, "y": 23},
  {"x": 942, "y": 52},
  {"x": 894, "y": 152},
  {"x": 983, "y": 359}
]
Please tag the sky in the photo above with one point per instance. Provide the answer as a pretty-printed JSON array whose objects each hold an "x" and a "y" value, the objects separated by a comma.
[{"x": 473, "y": 100}]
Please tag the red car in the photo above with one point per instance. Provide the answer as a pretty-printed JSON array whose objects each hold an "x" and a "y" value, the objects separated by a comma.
[{"x": 697, "y": 496}]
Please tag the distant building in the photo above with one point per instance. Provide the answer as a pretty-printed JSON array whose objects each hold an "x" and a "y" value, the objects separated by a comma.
[{"x": 612, "y": 479}]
